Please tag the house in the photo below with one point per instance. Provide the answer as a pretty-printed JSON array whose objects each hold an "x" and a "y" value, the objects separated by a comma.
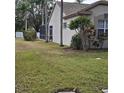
[{"x": 97, "y": 12}]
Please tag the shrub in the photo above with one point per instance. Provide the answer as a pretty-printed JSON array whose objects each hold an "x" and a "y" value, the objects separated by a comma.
[
  {"x": 29, "y": 35},
  {"x": 76, "y": 42},
  {"x": 96, "y": 43}
]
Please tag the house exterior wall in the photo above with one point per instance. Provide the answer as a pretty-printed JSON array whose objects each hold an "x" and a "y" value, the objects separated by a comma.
[
  {"x": 98, "y": 13},
  {"x": 98, "y": 10},
  {"x": 67, "y": 33},
  {"x": 55, "y": 22}
]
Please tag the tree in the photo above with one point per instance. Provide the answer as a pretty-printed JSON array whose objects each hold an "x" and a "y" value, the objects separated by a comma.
[
  {"x": 35, "y": 10},
  {"x": 82, "y": 25},
  {"x": 31, "y": 13},
  {"x": 47, "y": 6},
  {"x": 21, "y": 13},
  {"x": 40, "y": 13}
]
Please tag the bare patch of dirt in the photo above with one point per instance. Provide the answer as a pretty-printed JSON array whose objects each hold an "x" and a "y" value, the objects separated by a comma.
[{"x": 27, "y": 46}]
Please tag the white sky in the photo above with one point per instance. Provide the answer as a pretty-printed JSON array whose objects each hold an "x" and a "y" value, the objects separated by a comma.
[{"x": 85, "y": 1}]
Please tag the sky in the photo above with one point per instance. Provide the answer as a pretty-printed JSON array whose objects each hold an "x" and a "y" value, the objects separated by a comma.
[{"x": 85, "y": 1}]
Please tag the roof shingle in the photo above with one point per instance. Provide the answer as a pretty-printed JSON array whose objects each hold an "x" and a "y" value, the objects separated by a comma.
[
  {"x": 69, "y": 8},
  {"x": 85, "y": 10}
]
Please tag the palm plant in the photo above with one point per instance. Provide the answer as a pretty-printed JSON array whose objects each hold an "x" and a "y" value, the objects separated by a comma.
[{"x": 82, "y": 25}]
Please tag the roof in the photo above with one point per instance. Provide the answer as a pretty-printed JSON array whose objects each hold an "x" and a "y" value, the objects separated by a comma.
[
  {"x": 76, "y": 9},
  {"x": 86, "y": 10},
  {"x": 101, "y": 2},
  {"x": 69, "y": 8}
]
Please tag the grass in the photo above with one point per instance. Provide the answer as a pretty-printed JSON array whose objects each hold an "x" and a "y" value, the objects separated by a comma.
[{"x": 44, "y": 67}]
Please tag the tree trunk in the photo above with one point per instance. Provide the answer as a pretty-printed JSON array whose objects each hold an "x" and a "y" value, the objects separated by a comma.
[
  {"x": 42, "y": 17},
  {"x": 89, "y": 43},
  {"x": 26, "y": 23},
  {"x": 83, "y": 40},
  {"x": 46, "y": 22}
]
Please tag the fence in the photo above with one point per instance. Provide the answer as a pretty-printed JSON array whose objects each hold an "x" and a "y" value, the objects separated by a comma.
[{"x": 20, "y": 35}]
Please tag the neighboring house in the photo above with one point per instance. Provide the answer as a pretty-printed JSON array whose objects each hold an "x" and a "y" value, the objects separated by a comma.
[{"x": 97, "y": 12}]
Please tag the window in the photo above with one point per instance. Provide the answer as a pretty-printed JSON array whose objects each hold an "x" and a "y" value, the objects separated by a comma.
[
  {"x": 106, "y": 16},
  {"x": 106, "y": 24},
  {"x": 51, "y": 33},
  {"x": 51, "y": 27},
  {"x": 100, "y": 24},
  {"x": 65, "y": 25},
  {"x": 102, "y": 28}
]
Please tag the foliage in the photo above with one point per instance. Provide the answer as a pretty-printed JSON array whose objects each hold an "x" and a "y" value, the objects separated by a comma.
[
  {"x": 29, "y": 35},
  {"x": 31, "y": 10},
  {"x": 19, "y": 24},
  {"x": 83, "y": 26},
  {"x": 76, "y": 42},
  {"x": 21, "y": 9},
  {"x": 79, "y": 23},
  {"x": 98, "y": 43}
]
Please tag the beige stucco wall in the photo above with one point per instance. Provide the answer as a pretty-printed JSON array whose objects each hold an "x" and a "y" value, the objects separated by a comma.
[
  {"x": 55, "y": 22},
  {"x": 67, "y": 33},
  {"x": 98, "y": 10},
  {"x": 98, "y": 13}
]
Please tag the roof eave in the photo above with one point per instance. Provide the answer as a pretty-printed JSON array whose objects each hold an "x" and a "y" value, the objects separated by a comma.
[
  {"x": 77, "y": 14},
  {"x": 95, "y": 4},
  {"x": 85, "y": 10}
]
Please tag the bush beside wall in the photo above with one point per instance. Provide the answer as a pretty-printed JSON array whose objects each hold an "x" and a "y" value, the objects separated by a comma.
[
  {"x": 76, "y": 42},
  {"x": 29, "y": 35}
]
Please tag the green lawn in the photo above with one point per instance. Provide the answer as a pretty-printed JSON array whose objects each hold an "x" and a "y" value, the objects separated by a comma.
[{"x": 43, "y": 67}]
